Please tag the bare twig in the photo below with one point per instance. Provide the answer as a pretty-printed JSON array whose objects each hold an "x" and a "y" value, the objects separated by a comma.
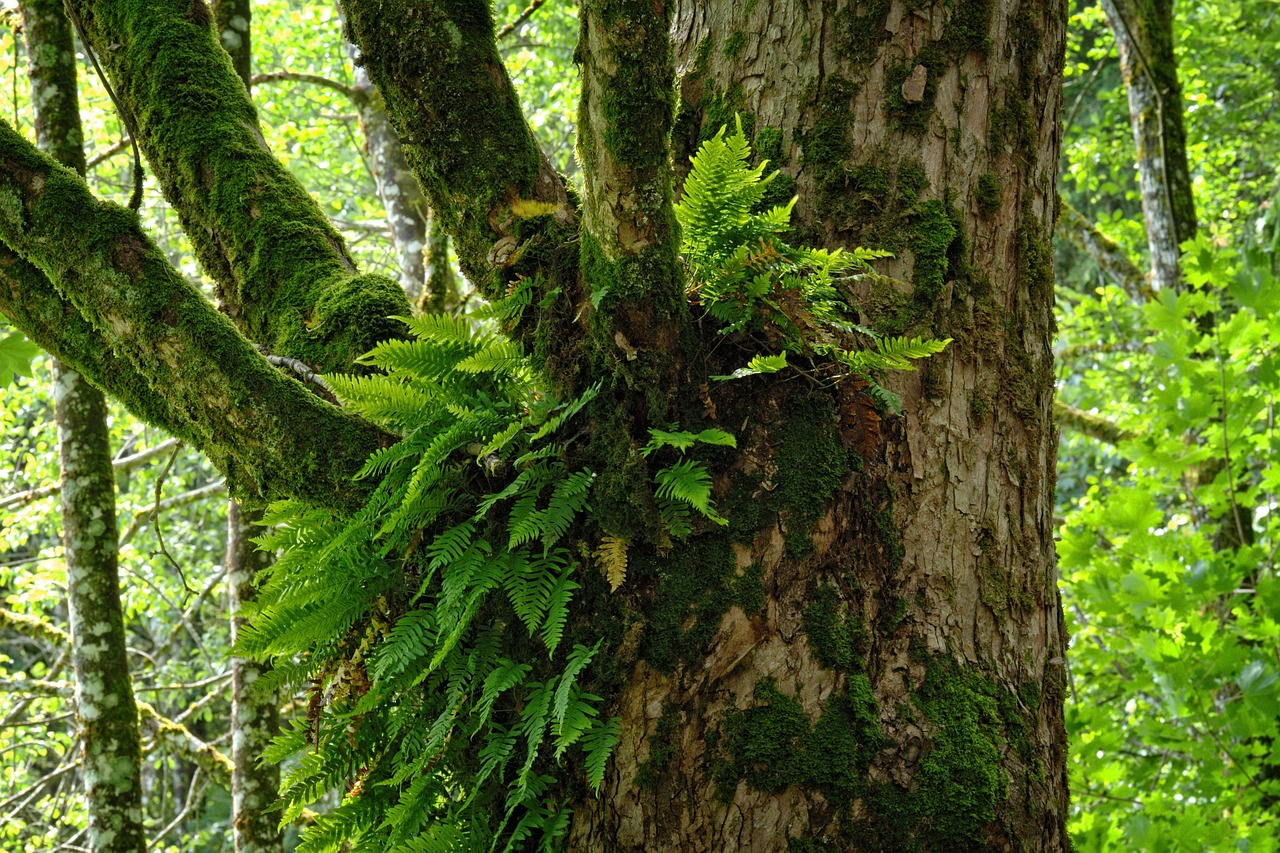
[
  {"x": 534, "y": 5},
  {"x": 118, "y": 465},
  {"x": 213, "y": 489},
  {"x": 298, "y": 77}
]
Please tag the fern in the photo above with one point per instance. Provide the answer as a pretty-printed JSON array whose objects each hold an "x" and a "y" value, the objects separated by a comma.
[
  {"x": 689, "y": 482},
  {"x": 760, "y": 289},
  {"x": 611, "y": 556},
  {"x": 414, "y": 588}
]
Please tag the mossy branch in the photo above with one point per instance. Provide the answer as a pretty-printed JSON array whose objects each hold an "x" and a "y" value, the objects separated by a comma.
[
  {"x": 630, "y": 244},
  {"x": 1105, "y": 252},
  {"x": 1094, "y": 426},
  {"x": 113, "y": 308},
  {"x": 464, "y": 134},
  {"x": 281, "y": 269}
]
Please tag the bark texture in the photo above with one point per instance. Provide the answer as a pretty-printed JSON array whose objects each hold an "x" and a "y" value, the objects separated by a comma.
[
  {"x": 106, "y": 714},
  {"x": 1144, "y": 36},
  {"x": 899, "y": 685}
]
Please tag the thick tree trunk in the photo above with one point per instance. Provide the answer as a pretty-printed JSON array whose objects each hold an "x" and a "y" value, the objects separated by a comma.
[
  {"x": 1144, "y": 36},
  {"x": 106, "y": 714},
  {"x": 900, "y": 683}
]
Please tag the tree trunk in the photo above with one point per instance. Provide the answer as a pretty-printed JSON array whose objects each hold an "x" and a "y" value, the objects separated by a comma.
[
  {"x": 899, "y": 684},
  {"x": 254, "y": 716},
  {"x": 106, "y": 714},
  {"x": 1144, "y": 36}
]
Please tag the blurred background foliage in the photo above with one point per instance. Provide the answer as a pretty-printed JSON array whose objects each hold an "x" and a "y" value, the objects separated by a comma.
[{"x": 1167, "y": 491}]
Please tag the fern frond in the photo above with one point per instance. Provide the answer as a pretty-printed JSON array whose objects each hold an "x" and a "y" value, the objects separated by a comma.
[
  {"x": 611, "y": 556},
  {"x": 690, "y": 482}
]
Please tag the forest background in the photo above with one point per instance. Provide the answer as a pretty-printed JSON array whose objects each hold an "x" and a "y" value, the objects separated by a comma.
[{"x": 1167, "y": 465}]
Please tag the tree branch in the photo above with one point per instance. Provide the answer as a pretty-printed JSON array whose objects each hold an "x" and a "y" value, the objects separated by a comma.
[
  {"x": 299, "y": 77},
  {"x": 118, "y": 465},
  {"x": 1085, "y": 423},
  {"x": 1105, "y": 252},
  {"x": 174, "y": 360},
  {"x": 281, "y": 270},
  {"x": 474, "y": 155}
]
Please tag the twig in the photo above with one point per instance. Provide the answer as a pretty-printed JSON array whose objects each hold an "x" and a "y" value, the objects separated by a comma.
[
  {"x": 155, "y": 522},
  {"x": 107, "y": 154},
  {"x": 534, "y": 5},
  {"x": 212, "y": 489},
  {"x": 124, "y": 464},
  {"x": 298, "y": 77}
]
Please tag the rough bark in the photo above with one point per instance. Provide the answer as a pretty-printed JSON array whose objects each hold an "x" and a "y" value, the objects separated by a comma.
[
  {"x": 902, "y": 685},
  {"x": 1144, "y": 36},
  {"x": 282, "y": 272},
  {"x": 106, "y": 715},
  {"x": 185, "y": 367}
]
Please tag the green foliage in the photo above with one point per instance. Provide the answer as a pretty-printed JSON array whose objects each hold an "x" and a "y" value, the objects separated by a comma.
[
  {"x": 765, "y": 292},
  {"x": 16, "y": 354},
  {"x": 1168, "y": 562},
  {"x": 432, "y": 619}
]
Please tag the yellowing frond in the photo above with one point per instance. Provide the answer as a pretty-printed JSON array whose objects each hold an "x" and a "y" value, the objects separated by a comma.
[{"x": 611, "y": 556}]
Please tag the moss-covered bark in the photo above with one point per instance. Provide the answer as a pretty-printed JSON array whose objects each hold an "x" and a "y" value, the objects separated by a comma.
[
  {"x": 1144, "y": 36},
  {"x": 449, "y": 97},
  {"x": 901, "y": 687},
  {"x": 203, "y": 381},
  {"x": 281, "y": 270},
  {"x": 630, "y": 239},
  {"x": 106, "y": 715}
]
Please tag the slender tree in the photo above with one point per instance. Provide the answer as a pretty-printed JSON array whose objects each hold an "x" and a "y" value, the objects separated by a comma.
[
  {"x": 870, "y": 654},
  {"x": 106, "y": 713},
  {"x": 1144, "y": 36}
]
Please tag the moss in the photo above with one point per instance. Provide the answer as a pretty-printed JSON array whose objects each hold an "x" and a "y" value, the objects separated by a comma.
[
  {"x": 960, "y": 782},
  {"x": 255, "y": 229},
  {"x": 662, "y": 748},
  {"x": 734, "y": 44},
  {"x": 825, "y": 147},
  {"x": 695, "y": 587},
  {"x": 773, "y": 746},
  {"x": 989, "y": 194},
  {"x": 839, "y": 639},
  {"x": 979, "y": 407},
  {"x": 859, "y": 36},
  {"x": 721, "y": 107},
  {"x": 748, "y": 589},
  {"x": 912, "y": 180},
  {"x": 811, "y": 464},
  {"x": 768, "y": 146},
  {"x": 933, "y": 232}
]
